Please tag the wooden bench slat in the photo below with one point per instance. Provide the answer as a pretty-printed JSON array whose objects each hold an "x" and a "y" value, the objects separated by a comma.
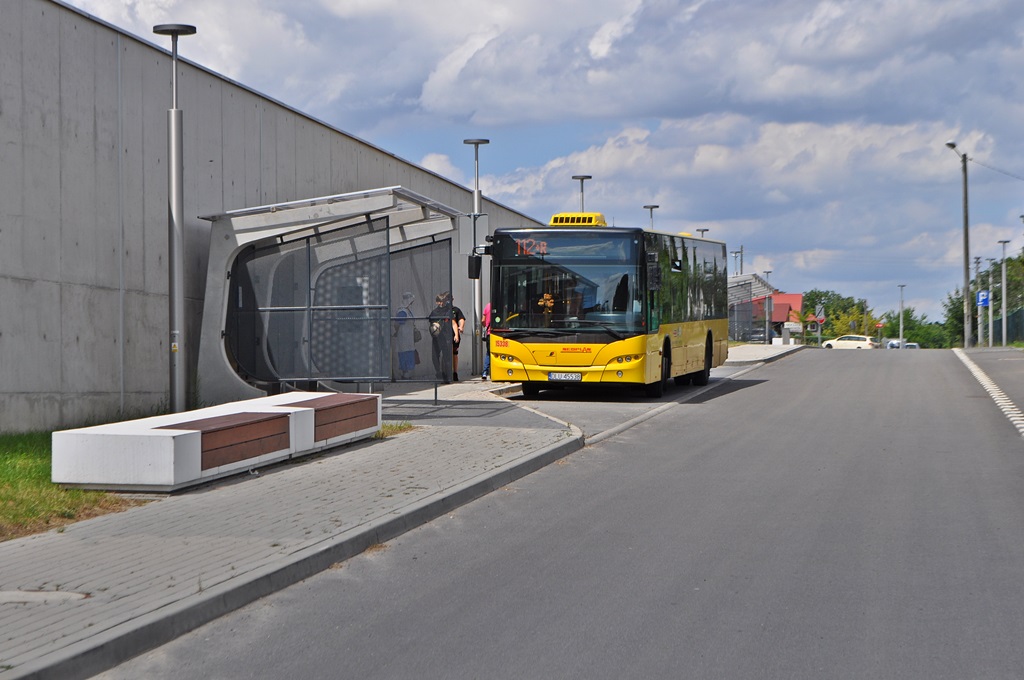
[
  {"x": 347, "y": 426},
  {"x": 238, "y": 436},
  {"x": 245, "y": 450}
]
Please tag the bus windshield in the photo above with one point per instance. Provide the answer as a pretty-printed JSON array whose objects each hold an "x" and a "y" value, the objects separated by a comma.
[{"x": 550, "y": 283}]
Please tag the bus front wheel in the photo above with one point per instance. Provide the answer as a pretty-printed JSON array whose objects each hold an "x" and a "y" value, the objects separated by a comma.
[
  {"x": 530, "y": 389},
  {"x": 702, "y": 377},
  {"x": 656, "y": 389}
]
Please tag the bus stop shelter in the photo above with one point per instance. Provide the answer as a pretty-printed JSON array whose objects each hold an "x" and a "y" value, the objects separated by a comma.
[{"x": 299, "y": 294}]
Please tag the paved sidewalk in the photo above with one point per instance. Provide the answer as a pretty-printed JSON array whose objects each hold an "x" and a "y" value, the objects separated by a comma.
[{"x": 77, "y": 601}]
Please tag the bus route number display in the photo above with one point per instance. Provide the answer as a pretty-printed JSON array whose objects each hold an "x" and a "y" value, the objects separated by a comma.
[{"x": 530, "y": 246}]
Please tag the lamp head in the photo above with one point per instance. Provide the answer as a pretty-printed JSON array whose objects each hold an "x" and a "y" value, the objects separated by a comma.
[
  {"x": 951, "y": 144},
  {"x": 174, "y": 29}
]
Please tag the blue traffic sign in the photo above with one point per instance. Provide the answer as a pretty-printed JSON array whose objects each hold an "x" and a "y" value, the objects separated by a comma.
[{"x": 983, "y": 298}]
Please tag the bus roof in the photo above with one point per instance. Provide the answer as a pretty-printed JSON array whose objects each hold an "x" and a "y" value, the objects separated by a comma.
[{"x": 578, "y": 219}]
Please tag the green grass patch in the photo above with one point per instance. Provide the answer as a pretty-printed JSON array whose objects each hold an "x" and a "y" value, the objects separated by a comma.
[
  {"x": 29, "y": 502},
  {"x": 388, "y": 429}
]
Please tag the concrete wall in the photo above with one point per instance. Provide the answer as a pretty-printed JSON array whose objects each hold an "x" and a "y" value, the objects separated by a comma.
[{"x": 83, "y": 205}]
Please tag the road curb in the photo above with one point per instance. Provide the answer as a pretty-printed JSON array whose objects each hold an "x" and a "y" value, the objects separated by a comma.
[{"x": 766, "y": 359}]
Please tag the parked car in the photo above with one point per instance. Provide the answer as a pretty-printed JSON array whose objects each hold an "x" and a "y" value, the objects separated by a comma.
[
  {"x": 911, "y": 345},
  {"x": 895, "y": 344},
  {"x": 851, "y": 342}
]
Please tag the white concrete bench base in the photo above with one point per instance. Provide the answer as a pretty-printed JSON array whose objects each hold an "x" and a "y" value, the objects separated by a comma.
[{"x": 171, "y": 452}]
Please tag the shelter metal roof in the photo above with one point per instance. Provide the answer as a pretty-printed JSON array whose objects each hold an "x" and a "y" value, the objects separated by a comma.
[{"x": 410, "y": 214}]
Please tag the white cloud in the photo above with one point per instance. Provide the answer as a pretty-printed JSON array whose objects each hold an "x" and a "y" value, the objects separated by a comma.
[
  {"x": 808, "y": 131},
  {"x": 442, "y": 165}
]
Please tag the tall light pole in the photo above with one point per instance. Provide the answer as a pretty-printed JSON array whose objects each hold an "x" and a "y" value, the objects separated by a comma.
[
  {"x": 902, "y": 286},
  {"x": 768, "y": 311},
  {"x": 991, "y": 285},
  {"x": 650, "y": 206},
  {"x": 735, "y": 258},
  {"x": 967, "y": 249},
  {"x": 582, "y": 179},
  {"x": 977, "y": 282},
  {"x": 478, "y": 288},
  {"x": 703, "y": 231},
  {"x": 1003, "y": 292},
  {"x": 176, "y": 226}
]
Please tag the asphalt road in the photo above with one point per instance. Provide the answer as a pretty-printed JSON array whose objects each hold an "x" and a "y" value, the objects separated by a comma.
[{"x": 836, "y": 514}]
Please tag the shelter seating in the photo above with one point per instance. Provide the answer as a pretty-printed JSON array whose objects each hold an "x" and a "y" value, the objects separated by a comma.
[{"x": 170, "y": 452}]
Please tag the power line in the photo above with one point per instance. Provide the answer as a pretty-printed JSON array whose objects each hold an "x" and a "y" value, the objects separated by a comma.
[{"x": 995, "y": 169}]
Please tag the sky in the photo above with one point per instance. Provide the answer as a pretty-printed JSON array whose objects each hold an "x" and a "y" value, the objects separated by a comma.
[{"x": 811, "y": 133}]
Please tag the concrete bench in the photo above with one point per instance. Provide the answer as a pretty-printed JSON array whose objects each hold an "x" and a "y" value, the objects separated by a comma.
[{"x": 170, "y": 452}]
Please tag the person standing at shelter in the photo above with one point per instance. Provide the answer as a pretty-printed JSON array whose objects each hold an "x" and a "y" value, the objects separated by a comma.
[
  {"x": 442, "y": 335},
  {"x": 405, "y": 329},
  {"x": 459, "y": 319},
  {"x": 486, "y": 319}
]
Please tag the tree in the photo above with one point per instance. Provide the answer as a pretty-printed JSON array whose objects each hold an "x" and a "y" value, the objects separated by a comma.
[
  {"x": 953, "y": 306},
  {"x": 915, "y": 329}
]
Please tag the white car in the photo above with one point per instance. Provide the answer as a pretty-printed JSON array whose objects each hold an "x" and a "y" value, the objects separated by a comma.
[{"x": 851, "y": 342}]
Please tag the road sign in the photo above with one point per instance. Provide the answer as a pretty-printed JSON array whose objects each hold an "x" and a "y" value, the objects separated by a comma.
[
  {"x": 879, "y": 325},
  {"x": 983, "y": 298}
]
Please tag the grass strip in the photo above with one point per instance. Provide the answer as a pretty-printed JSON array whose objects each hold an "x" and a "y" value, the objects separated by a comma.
[{"x": 30, "y": 503}]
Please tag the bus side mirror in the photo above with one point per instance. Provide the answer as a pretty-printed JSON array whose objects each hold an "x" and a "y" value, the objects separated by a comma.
[{"x": 474, "y": 266}]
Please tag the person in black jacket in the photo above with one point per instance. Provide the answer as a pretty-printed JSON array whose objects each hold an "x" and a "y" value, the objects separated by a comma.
[
  {"x": 442, "y": 336},
  {"x": 459, "y": 320}
]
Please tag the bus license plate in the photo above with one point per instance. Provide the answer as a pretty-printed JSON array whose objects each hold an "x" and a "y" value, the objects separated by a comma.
[{"x": 566, "y": 377}]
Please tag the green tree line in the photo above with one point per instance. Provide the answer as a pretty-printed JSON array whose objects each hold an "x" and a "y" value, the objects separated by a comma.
[{"x": 846, "y": 315}]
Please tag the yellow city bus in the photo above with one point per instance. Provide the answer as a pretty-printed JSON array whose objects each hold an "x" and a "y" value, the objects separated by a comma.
[{"x": 580, "y": 302}]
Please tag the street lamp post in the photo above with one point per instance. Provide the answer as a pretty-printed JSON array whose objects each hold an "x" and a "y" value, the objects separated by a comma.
[
  {"x": 476, "y": 358},
  {"x": 902, "y": 286},
  {"x": 977, "y": 282},
  {"x": 1003, "y": 291},
  {"x": 967, "y": 248},
  {"x": 991, "y": 285},
  {"x": 703, "y": 231},
  {"x": 176, "y": 226},
  {"x": 768, "y": 310},
  {"x": 650, "y": 206},
  {"x": 582, "y": 179}
]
